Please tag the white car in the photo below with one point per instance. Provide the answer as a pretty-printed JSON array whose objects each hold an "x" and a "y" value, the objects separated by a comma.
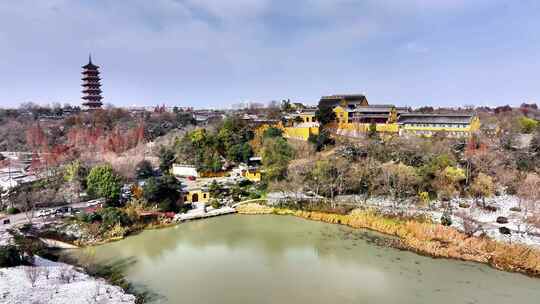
[
  {"x": 93, "y": 203},
  {"x": 44, "y": 212}
]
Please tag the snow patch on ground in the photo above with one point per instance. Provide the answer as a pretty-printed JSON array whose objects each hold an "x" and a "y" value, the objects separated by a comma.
[
  {"x": 56, "y": 283},
  {"x": 520, "y": 231},
  {"x": 202, "y": 211}
]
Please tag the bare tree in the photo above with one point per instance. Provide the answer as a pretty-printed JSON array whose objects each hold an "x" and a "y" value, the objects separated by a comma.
[
  {"x": 95, "y": 293},
  {"x": 470, "y": 225},
  {"x": 364, "y": 175},
  {"x": 24, "y": 198},
  {"x": 32, "y": 274},
  {"x": 66, "y": 274},
  {"x": 533, "y": 221},
  {"x": 529, "y": 195},
  {"x": 482, "y": 187},
  {"x": 28, "y": 207},
  {"x": 46, "y": 272},
  {"x": 399, "y": 181},
  {"x": 447, "y": 183}
]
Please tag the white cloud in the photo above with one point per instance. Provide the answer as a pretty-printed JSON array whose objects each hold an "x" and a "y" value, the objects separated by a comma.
[
  {"x": 232, "y": 9},
  {"x": 433, "y": 5},
  {"x": 415, "y": 47},
  {"x": 249, "y": 46}
]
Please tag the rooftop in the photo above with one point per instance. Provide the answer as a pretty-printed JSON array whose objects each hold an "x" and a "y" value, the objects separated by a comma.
[
  {"x": 378, "y": 109},
  {"x": 350, "y": 99},
  {"x": 344, "y": 96},
  {"x": 372, "y": 116},
  {"x": 435, "y": 118}
]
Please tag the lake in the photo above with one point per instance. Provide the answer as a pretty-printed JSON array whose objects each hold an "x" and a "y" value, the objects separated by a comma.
[{"x": 282, "y": 259}]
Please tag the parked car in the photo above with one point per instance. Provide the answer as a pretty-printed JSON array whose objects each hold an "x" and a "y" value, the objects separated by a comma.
[
  {"x": 64, "y": 210},
  {"x": 45, "y": 212},
  {"x": 41, "y": 213},
  {"x": 5, "y": 221},
  {"x": 92, "y": 203}
]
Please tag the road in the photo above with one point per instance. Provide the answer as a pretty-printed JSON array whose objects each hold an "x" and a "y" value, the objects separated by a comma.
[{"x": 20, "y": 218}]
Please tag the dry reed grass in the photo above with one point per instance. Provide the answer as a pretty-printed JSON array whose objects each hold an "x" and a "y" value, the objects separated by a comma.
[{"x": 253, "y": 208}]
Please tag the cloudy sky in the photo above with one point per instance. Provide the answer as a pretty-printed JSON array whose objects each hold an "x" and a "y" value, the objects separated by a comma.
[{"x": 214, "y": 53}]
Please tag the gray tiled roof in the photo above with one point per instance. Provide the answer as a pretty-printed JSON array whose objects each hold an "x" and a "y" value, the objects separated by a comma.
[
  {"x": 345, "y": 96},
  {"x": 378, "y": 109},
  {"x": 369, "y": 116},
  {"x": 334, "y": 100},
  {"x": 435, "y": 118}
]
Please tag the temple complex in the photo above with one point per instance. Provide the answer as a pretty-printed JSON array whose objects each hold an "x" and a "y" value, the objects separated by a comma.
[
  {"x": 91, "y": 86},
  {"x": 355, "y": 117}
]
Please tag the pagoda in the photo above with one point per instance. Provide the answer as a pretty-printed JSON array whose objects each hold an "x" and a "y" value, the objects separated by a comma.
[{"x": 91, "y": 86}]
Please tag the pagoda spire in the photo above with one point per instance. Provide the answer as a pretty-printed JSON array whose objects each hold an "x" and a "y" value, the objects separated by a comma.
[{"x": 89, "y": 58}]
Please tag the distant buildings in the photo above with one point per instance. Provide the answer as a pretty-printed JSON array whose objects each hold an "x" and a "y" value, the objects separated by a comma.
[
  {"x": 366, "y": 114},
  {"x": 250, "y": 171},
  {"x": 303, "y": 116},
  {"x": 207, "y": 116},
  {"x": 196, "y": 185},
  {"x": 300, "y": 125},
  {"x": 355, "y": 116},
  {"x": 452, "y": 125},
  {"x": 181, "y": 170}
]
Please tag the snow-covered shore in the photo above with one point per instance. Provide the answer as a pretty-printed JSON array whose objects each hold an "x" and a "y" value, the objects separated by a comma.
[
  {"x": 56, "y": 283},
  {"x": 200, "y": 211},
  {"x": 505, "y": 206}
]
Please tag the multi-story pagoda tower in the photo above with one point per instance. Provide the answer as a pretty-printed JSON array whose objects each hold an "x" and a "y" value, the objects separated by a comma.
[{"x": 91, "y": 86}]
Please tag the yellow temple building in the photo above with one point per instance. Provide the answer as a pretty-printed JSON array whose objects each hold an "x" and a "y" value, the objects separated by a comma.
[
  {"x": 355, "y": 118},
  {"x": 196, "y": 194}
]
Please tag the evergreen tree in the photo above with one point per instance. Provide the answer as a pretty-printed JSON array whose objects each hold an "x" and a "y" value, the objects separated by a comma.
[
  {"x": 103, "y": 182},
  {"x": 166, "y": 159},
  {"x": 325, "y": 115}
]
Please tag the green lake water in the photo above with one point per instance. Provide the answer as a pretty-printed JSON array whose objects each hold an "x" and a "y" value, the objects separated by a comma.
[{"x": 280, "y": 259}]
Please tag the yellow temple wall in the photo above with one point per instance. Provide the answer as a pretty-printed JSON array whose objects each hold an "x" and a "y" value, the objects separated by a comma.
[
  {"x": 308, "y": 117},
  {"x": 364, "y": 127},
  {"x": 342, "y": 116},
  {"x": 253, "y": 176},
  {"x": 300, "y": 133},
  {"x": 201, "y": 196}
]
